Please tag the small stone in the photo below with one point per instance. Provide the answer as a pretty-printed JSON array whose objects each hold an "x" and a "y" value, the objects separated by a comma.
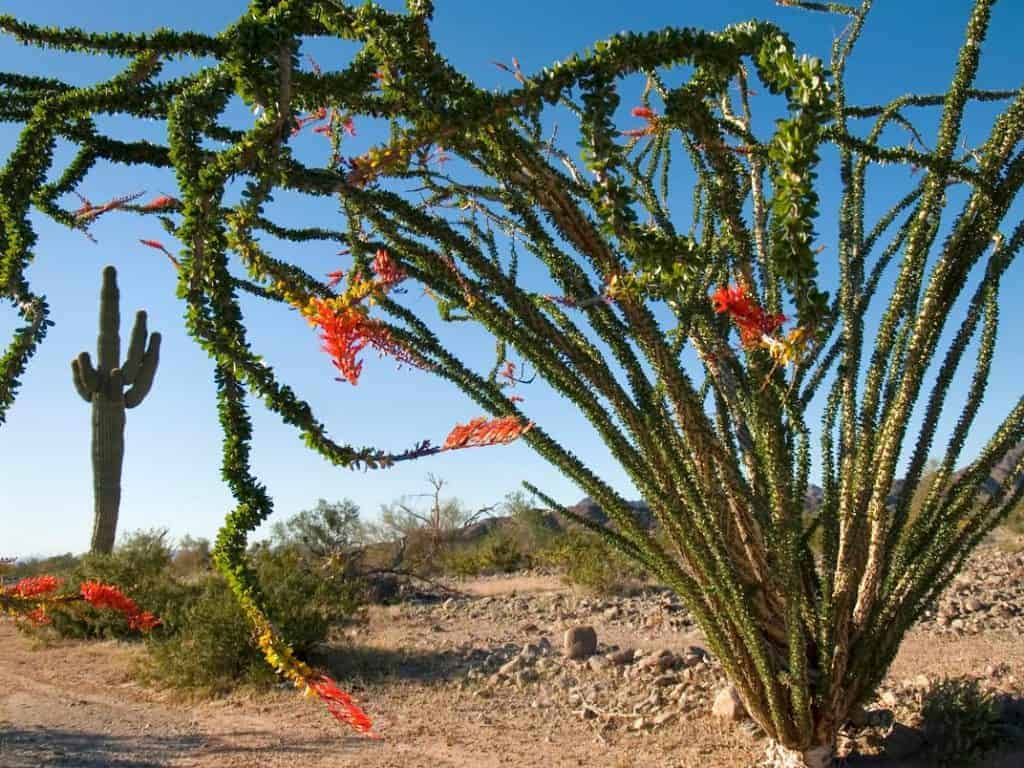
[
  {"x": 528, "y": 627},
  {"x": 664, "y": 681},
  {"x": 613, "y": 613},
  {"x": 623, "y": 657},
  {"x": 597, "y": 663},
  {"x": 974, "y": 605},
  {"x": 511, "y": 667},
  {"x": 728, "y": 705},
  {"x": 693, "y": 656},
  {"x": 525, "y": 676},
  {"x": 580, "y": 642},
  {"x": 664, "y": 717},
  {"x": 957, "y": 624},
  {"x": 638, "y": 724}
]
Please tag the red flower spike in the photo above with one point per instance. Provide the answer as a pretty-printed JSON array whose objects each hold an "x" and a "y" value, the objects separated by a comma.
[
  {"x": 157, "y": 245},
  {"x": 480, "y": 432},
  {"x": 389, "y": 273},
  {"x": 33, "y": 586},
  {"x": 347, "y": 332},
  {"x": 644, "y": 112},
  {"x": 751, "y": 320},
  {"x": 333, "y": 278},
  {"x": 161, "y": 203},
  {"x": 101, "y": 595},
  {"x": 349, "y": 125},
  {"x": 341, "y": 706}
]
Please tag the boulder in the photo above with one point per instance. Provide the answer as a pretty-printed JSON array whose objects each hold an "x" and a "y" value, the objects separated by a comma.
[{"x": 580, "y": 642}]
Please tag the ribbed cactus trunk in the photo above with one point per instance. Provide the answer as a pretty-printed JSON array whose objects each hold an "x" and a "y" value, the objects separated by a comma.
[
  {"x": 103, "y": 387},
  {"x": 108, "y": 422}
]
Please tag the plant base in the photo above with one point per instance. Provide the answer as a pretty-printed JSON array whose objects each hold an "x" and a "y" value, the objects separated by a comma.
[{"x": 778, "y": 756}]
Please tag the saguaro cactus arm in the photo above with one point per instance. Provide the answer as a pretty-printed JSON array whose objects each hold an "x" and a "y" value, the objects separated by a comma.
[
  {"x": 146, "y": 370},
  {"x": 136, "y": 348},
  {"x": 85, "y": 377}
]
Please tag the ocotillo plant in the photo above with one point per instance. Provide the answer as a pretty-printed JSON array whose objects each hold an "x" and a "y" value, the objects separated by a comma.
[
  {"x": 104, "y": 387},
  {"x": 659, "y": 316}
]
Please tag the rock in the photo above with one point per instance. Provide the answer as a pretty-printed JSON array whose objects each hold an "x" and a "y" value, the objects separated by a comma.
[
  {"x": 525, "y": 676},
  {"x": 974, "y": 605},
  {"x": 693, "y": 656},
  {"x": 728, "y": 705},
  {"x": 660, "y": 660},
  {"x": 580, "y": 642},
  {"x": 597, "y": 663},
  {"x": 382, "y": 588},
  {"x": 528, "y": 627},
  {"x": 622, "y": 657},
  {"x": 664, "y": 717},
  {"x": 613, "y": 613},
  {"x": 902, "y": 742},
  {"x": 511, "y": 667}
]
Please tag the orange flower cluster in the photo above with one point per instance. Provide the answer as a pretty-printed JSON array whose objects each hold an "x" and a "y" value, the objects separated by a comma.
[
  {"x": 482, "y": 432},
  {"x": 753, "y": 322},
  {"x": 102, "y": 595},
  {"x": 347, "y": 331},
  {"x": 33, "y": 586},
  {"x": 346, "y": 327}
]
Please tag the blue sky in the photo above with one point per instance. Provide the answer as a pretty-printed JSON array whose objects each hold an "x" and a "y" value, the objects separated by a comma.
[{"x": 172, "y": 465}]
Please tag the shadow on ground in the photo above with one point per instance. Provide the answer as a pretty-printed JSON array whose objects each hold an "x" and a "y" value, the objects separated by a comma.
[{"x": 58, "y": 748}]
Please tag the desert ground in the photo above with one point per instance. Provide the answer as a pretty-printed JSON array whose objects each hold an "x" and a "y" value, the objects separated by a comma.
[{"x": 480, "y": 679}]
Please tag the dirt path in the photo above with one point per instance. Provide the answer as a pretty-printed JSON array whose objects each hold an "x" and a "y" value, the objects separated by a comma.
[{"x": 74, "y": 704}]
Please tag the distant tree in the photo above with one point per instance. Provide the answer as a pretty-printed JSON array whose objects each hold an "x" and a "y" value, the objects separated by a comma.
[
  {"x": 192, "y": 555},
  {"x": 444, "y": 515},
  {"x": 326, "y": 530}
]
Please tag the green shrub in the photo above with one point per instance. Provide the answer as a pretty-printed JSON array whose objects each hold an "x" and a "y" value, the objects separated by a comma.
[
  {"x": 590, "y": 563},
  {"x": 305, "y": 597},
  {"x": 496, "y": 552},
  {"x": 140, "y": 566},
  {"x": 961, "y": 721}
]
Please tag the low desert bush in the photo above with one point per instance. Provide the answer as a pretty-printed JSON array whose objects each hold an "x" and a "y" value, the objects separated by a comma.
[
  {"x": 495, "y": 552},
  {"x": 214, "y": 652},
  {"x": 961, "y": 722},
  {"x": 589, "y": 562}
]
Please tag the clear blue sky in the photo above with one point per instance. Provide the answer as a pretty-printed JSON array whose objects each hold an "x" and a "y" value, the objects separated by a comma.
[{"x": 171, "y": 475}]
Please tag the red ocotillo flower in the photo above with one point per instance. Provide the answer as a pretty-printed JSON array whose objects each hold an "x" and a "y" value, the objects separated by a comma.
[
  {"x": 482, "y": 432},
  {"x": 347, "y": 331},
  {"x": 751, "y": 320},
  {"x": 161, "y": 203},
  {"x": 33, "y": 586},
  {"x": 652, "y": 122},
  {"x": 102, "y": 595},
  {"x": 156, "y": 244},
  {"x": 388, "y": 273},
  {"x": 340, "y": 704}
]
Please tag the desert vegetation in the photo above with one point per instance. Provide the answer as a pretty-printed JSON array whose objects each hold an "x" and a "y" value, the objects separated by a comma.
[{"x": 717, "y": 347}]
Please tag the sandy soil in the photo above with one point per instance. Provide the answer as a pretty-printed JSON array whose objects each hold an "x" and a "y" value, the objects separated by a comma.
[{"x": 75, "y": 705}]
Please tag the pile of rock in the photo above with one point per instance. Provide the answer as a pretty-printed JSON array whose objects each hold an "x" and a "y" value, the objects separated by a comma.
[{"x": 987, "y": 596}]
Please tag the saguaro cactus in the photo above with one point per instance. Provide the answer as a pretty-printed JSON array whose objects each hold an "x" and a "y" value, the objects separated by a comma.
[{"x": 104, "y": 387}]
